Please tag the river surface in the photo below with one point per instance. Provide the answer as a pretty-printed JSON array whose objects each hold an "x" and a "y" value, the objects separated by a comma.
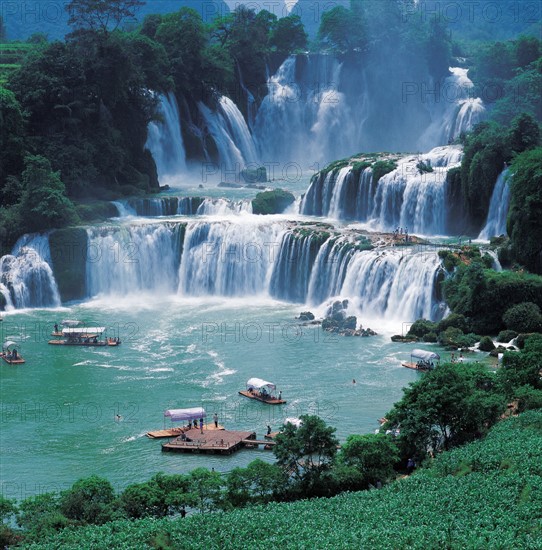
[{"x": 59, "y": 410}]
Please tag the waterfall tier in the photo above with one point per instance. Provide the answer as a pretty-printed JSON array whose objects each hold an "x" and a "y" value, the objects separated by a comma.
[
  {"x": 413, "y": 196},
  {"x": 165, "y": 141},
  {"x": 230, "y": 258},
  {"x": 26, "y": 277},
  {"x": 498, "y": 208}
]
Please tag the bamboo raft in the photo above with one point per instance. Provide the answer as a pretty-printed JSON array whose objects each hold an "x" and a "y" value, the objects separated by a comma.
[
  {"x": 413, "y": 366},
  {"x": 224, "y": 442},
  {"x": 18, "y": 361},
  {"x": 264, "y": 399}
]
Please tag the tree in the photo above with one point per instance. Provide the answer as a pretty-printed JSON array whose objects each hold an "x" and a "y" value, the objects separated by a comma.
[
  {"x": 450, "y": 405},
  {"x": 205, "y": 490},
  {"x": 525, "y": 211},
  {"x": 524, "y": 133},
  {"x": 524, "y": 317},
  {"x": 307, "y": 452},
  {"x": 160, "y": 496},
  {"x": 40, "y": 515},
  {"x": 101, "y": 15},
  {"x": 44, "y": 200},
  {"x": 89, "y": 500},
  {"x": 373, "y": 455},
  {"x": 342, "y": 29},
  {"x": 289, "y": 35},
  {"x": 12, "y": 133},
  {"x": 258, "y": 483}
]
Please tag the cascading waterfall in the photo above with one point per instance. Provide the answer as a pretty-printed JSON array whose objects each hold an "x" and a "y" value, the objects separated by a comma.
[
  {"x": 228, "y": 259},
  {"x": 291, "y": 272},
  {"x": 454, "y": 109},
  {"x": 135, "y": 258},
  {"x": 333, "y": 110},
  {"x": 394, "y": 284},
  {"x": 224, "y": 207},
  {"x": 498, "y": 208},
  {"x": 165, "y": 141},
  {"x": 232, "y": 137},
  {"x": 303, "y": 96},
  {"x": 26, "y": 277},
  {"x": 407, "y": 197}
]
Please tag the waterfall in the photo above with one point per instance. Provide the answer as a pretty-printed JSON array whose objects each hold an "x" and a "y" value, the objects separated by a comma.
[
  {"x": 291, "y": 272},
  {"x": 124, "y": 209},
  {"x": 26, "y": 277},
  {"x": 165, "y": 141},
  {"x": 498, "y": 208},
  {"x": 303, "y": 97},
  {"x": 135, "y": 258},
  {"x": 228, "y": 258},
  {"x": 454, "y": 110},
  {"x": 333, "y": 110},
  {"x": 393, "y": 284},
  {"x": 232, "y": 137},
  {"x": 406, "y": 197},
  {"x": 224, "y": 207}
]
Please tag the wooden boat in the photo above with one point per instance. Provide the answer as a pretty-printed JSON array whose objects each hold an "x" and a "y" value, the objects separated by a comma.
[
  {"x": 10, "y": 354},
  {"x": 421, "y": 360},
  {"x": 263, "y": 391},
  {"x": 84, "y": 336}
]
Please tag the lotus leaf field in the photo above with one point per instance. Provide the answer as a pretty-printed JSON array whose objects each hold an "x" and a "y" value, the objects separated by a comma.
[{"x": 485, "y": 495}]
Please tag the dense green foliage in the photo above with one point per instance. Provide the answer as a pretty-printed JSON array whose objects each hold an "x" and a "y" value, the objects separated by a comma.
[
  {"x": 451, "y": 404},
  {"x": 84, "y": 105},
  {"x": 483, "y": 295},
  {"x": 524, "y": 225},
  {"x": 487, "y": 494},
  {"x": 508, "y": 75},
  {"x": 272, "y": 202},
  {"x": 372, "y": 26},
  {"x": 523, "y": 317}
]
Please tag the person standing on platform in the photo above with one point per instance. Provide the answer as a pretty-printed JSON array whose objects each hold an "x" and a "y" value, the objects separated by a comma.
[
  {"x": 201, "y": 425},
  {"x": 215, "y": 418}
]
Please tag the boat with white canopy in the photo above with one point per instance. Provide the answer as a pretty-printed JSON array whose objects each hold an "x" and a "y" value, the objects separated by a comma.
[
  {"x": 422, "y": 360},
  {"x": 263, "y": 391},
  {"x": 84, "y": 336}
]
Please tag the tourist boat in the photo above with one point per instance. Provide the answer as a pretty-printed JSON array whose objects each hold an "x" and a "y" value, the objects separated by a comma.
[
  {"x": 422, "y": 360},
  {"x": 191, "y": 415},
  {"x": 84, "y": 336},
  {"x": 10, "y": 354},
  {"x": 263, "y": 391}
]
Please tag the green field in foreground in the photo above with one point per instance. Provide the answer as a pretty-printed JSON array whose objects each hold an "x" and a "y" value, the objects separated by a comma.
[{"x": 485, "y": 495}]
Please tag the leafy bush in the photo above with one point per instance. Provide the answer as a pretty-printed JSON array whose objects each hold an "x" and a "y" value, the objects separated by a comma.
[
  {"x": 430, "y": 337},
  {"x": 454, "y": 320},
  {"x": 383, "y": 167},
  {"x": 421, "y": 327},
  {"x": 272, "y": 202},
  {"x": 506, "y": 335},
  {"x": 524, "y": 317},
  {"x": 486, "y": 344}
]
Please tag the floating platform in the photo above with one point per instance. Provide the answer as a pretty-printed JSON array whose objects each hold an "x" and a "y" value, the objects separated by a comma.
[
  {"x": 175, "y": 432},
  {"x": 91, "y": 344},
  {"x": 264, "y": 399},
  {"x": 224, "y": 442}
]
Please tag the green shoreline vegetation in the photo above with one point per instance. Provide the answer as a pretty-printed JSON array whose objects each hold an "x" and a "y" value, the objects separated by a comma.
[{"x": 453, "y": 423}]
